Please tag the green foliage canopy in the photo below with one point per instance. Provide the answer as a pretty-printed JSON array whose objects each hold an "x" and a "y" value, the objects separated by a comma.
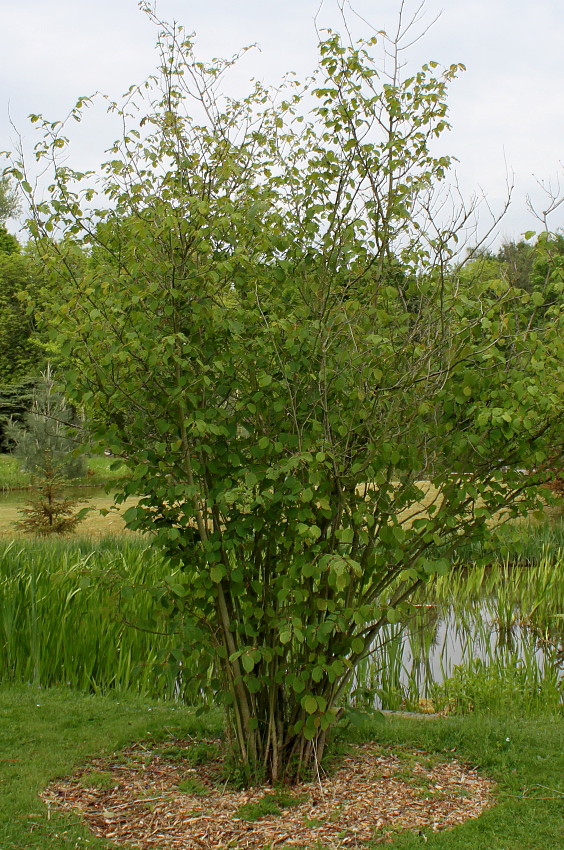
[
  {"x": 21, "y": 353},
  {"x": 22, "y": 350},
  {"x": 315, "y": 411},
  {"x": 9, "y": 203}
]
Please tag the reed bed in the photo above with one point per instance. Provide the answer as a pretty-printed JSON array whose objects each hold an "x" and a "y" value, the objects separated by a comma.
[
  {"x": 524, "y": 542},
  {"x": 482, "y": 637},
  {"x": 491, "y": 632},
  {"x": 65, "y": 617}
]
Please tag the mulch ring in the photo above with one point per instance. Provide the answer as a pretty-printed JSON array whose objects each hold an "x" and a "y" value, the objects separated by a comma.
[{"x": 174, "y": 796}]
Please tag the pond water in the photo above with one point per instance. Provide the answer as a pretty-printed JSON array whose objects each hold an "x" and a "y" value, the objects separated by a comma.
[{"x": 468, "y": 650}]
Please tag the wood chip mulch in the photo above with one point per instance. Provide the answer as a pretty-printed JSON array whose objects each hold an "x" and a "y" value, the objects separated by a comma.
[{"x": 374, "y": 793}]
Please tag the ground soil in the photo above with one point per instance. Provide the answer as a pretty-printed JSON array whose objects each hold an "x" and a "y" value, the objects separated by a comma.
[{"x": 372, "y": 794}]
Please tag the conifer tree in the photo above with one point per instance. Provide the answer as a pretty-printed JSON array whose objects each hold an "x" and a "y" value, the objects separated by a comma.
[{"x": 45, "y": 447}]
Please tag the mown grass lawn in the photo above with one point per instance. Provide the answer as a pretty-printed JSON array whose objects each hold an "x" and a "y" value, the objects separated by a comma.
[
  {"x": 526, "y": 760},
  {"x": 44, "y": 734},
  {"x": 95, "y": 526},
  {"x": 15, "y": 489}
]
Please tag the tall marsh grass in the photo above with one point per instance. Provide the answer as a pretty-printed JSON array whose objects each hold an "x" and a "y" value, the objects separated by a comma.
[
  {"x": 509, "y": 683},
  {"x": 520, "y": 543},
  {"x": 64, "y": 617},
  {"x": 489, "y": 633},
  {"x": 11, "y": 477},
  {"x": 484, "y": 636}
]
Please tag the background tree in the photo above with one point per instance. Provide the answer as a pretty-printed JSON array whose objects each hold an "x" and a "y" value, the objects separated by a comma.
[
  {"x": 22, "y": 354},
  {"x": 49, "y": 439},
  {"x": 9, "y": 201},
  {"x": 518, "y": 258},
  {"x": 45, "y": 443},
  {"x": 48, "y": 510},
  {"x": 22, "y": 350},
  {"x": 8, "y": 243},
  {"x": 9, "y": 207},
  {"x": 15, "y": 400},
  {"x": 272, "y": 336}
]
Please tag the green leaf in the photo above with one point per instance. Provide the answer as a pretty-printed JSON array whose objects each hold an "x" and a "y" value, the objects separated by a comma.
[
  {"x": 393, "y": 616},
  {"x": 217, "y": 573},
  {"x": 285, "y": 636},
  {"x": 131, "y": 514},
  {"x": 357, "y": 645},
  {"x": 317, "y": 674},
  {"x": 309, "y": 704},
  {"x": 248, "y": 662}
]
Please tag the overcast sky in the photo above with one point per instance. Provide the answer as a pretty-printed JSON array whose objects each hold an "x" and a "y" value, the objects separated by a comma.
[{"x": 507, "y": 109}]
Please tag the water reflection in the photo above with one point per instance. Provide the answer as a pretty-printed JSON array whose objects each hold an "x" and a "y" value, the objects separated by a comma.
[{"x": 410, "y": 661}]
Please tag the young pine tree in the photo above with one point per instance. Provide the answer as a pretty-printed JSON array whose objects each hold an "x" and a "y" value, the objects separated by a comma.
[{"x": 45, "y": 447}]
